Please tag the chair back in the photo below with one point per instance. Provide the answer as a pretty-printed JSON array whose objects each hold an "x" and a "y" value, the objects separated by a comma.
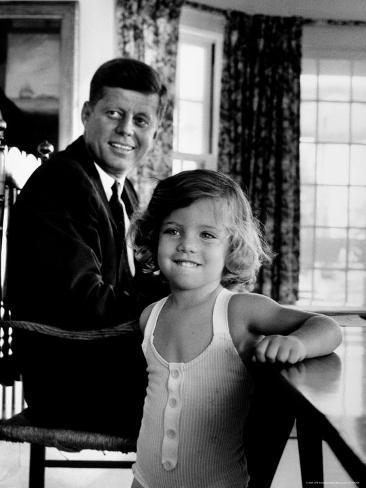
[{"x": 15, "y": 168}]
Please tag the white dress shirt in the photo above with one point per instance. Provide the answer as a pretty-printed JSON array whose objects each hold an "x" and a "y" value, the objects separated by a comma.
[{"x": 107, "y": 182}]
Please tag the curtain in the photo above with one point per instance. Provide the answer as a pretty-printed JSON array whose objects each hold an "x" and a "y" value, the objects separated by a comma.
[
  {"x": 147, "y": 30},
  {"x": 259, "y": 135}
]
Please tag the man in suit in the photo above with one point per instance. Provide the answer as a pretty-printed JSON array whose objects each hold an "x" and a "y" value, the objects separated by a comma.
[{"x": 69, "y": 265}]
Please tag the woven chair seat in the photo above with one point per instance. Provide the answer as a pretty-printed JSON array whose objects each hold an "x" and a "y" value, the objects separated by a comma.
[{"x": 20, "y": 429}]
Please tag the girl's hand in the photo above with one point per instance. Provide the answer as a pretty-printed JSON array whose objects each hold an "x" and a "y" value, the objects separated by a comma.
[{"x": 279, "y": 348}]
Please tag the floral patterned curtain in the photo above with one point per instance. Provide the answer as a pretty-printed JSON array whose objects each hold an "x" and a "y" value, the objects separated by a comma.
[
  {"x": 259, "y": 135},
  {"x": 148, "y": 30}
]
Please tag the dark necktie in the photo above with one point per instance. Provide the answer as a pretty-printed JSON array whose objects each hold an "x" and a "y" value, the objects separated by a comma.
[
  {"x": 117, "y": 208},
  {"x": 119, "y": 214}
]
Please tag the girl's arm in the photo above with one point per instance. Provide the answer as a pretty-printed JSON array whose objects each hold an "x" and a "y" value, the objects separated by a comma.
[{"x": 283, "y": 334}]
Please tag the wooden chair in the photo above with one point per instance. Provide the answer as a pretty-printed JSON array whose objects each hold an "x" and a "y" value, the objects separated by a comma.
[{"x": 16, "y": 426}]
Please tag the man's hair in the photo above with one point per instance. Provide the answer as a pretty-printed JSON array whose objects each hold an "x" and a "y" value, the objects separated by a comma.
[
  {"x": 247, "y": 250},
  {"x": 129, "y": 74}
]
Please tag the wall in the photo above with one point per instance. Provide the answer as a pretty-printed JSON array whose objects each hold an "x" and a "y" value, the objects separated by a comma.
[{"x": 96, "y": 43}]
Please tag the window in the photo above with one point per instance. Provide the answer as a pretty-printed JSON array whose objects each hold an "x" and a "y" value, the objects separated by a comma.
[
  {"x": 197, "y": 91},
  {"x": 332, "y": 146},
  {"x": 333, "y": 168}
]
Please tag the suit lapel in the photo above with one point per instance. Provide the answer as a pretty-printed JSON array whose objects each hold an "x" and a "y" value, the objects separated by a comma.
[
  {"x": 78, "y": 151},
  {"x": 129, "y": 198}
]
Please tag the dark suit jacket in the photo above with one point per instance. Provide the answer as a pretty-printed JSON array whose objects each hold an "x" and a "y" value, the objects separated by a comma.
[{"x": 67, "y": 268}]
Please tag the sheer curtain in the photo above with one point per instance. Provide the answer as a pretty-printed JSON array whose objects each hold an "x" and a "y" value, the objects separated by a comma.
[
  {"x": 148, "y": 30},
  {"x": 259, "y": 134}
]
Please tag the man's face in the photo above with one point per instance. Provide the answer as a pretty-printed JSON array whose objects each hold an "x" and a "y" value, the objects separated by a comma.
[{"x": 120, "y": 129}]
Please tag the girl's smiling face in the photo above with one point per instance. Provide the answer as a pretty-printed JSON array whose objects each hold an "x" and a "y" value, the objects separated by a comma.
[{"x": 193, "y": 244}]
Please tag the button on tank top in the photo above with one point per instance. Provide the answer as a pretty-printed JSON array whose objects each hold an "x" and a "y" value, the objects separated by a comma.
[{"x": 194, "y": 413}]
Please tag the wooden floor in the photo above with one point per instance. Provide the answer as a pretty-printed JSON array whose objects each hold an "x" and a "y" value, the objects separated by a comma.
[{"x": 14, "y": 470}]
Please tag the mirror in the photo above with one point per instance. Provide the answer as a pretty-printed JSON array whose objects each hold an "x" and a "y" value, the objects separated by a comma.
[{"x": 37, "y": 72}]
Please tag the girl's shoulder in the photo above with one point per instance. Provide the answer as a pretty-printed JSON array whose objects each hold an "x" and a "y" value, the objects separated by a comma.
[
  {"x": 246, "y": 303},
  {"x": 144, "y": 317},
  {"x": 249, "y": 309}
]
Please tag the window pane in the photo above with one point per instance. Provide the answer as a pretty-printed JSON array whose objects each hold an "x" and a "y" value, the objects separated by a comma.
[
  {"x": 357, "y": 209},
  {"x": 359, "y": 81},
  {"x": 192, "y": 72},
  {"x": 308, "y": 121},
  {"x": 307, "y": 162},
  {"x": 175, "y": 126},
  {"x": 359, "y": 122},
  {"x": 191, "y": 127},
  {"x": 307, "y": 196},
  {"x": 329, "y": 287},
  {"x": 308, "y": 87},
  {"x": 308, "y": 79},
  {"x": 196, "y": 111},
  {"x": 306, "y": 247},
  {"x": 357, "y": 248},
  {"x": 330, "y": 248},
  {"x": 333, "y": 122},
  {"x": 358, "y": 165},
  {"x": 305, "y": 286},
  {"x": 331, "y": 208},
  {"x": 332, "y": 167},
  {"x": 334, "y": 80},
  {"x": 356, "y": 288},
  {"x": 183, "y": 165}
]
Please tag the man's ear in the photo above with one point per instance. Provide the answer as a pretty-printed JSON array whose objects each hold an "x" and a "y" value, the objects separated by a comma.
[{"x": 85, "y": 112}]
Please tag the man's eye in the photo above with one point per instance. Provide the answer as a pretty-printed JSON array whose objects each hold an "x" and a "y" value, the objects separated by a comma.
[
  {"x": 113, "y": 114},
  {"x": 142, "y": 121}
]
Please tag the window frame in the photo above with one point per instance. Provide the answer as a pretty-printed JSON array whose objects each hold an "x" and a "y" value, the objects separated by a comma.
[{"x": 205, "y": 29}]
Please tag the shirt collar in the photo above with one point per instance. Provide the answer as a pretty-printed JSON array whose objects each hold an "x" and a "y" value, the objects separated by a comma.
[{"x": 108, "y": 180}]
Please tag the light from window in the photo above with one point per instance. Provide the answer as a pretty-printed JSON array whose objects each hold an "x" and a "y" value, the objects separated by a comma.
[
  {"x": 333, "y": 183},
  {"x": 183, "y": 165},
  {"x": 197, "y": 99},
  {"x": 192, "y": 102}
]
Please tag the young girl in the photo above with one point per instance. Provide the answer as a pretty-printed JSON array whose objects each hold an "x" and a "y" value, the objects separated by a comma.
[{"x": 198, "y": 230}]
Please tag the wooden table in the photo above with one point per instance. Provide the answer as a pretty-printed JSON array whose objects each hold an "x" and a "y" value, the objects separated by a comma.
[{"x": 329, "y": 394}]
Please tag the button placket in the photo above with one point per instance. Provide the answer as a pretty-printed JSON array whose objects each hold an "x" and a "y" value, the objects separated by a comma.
[{"x": 171, "y": 417}]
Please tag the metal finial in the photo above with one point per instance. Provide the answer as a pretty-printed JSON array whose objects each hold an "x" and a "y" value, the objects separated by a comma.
[{"x": 45, "y": 149}]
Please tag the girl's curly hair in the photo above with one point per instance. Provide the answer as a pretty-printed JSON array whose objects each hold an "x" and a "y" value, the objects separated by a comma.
[{"x": 247, "y": 249}]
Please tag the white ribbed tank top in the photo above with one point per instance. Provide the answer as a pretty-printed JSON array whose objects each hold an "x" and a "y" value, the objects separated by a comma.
[{"x": 192, "y": 429}]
